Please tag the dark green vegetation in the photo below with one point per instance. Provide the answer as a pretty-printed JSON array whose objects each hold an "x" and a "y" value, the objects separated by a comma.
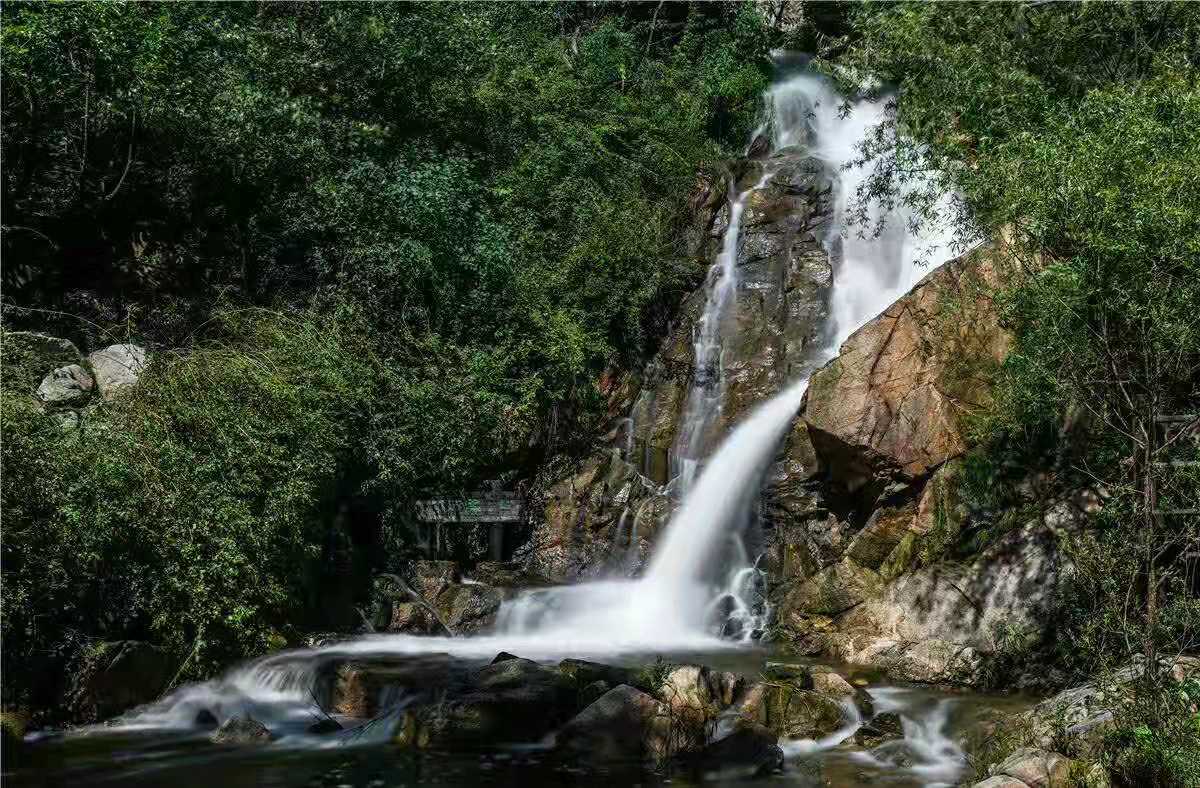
[
  {"x": 377, "y": 252},
  {"x": 1074, "y": 132}
]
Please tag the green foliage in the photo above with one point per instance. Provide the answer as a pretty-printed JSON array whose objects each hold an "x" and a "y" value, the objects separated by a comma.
[
  {"x": 192, "y": 509},
  {"x": 1071, "y": 133},
  {"x": 1156, "y": 737}
]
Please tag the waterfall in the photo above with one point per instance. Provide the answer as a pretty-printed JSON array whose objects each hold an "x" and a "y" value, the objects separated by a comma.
[
  {"x": 707, "y": 392},
  {"x": 667, "y": 609}
]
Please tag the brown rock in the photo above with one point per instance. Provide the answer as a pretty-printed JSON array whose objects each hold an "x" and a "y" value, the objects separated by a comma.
[
  {"x": 881, "y": 535},
  {"x": 894, "y": 400}
]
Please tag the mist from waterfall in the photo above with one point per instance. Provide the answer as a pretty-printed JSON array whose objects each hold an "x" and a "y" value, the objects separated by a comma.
[{"x": 694, "y": 561}]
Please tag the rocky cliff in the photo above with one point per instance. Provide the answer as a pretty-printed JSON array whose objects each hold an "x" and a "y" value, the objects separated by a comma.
[{"x": 601, "y": 516}]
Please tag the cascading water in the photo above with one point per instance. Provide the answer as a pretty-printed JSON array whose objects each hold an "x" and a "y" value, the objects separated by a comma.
[
  {"x": 670, "y": 607},
  {"x": 706, "y": 395}
]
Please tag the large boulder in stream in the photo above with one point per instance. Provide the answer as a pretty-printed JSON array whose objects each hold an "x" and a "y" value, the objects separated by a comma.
[
  {"x": 893, "y": 404},
  {"x": 512, "y": 701},
  {"x": 786, "y": 701},
  {"x": 625, "y": 725},
  {"x": 241, "y": 731}
]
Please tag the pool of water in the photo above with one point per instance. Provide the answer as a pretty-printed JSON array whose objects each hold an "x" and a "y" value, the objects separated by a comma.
[{"x": 936, "y": 724}]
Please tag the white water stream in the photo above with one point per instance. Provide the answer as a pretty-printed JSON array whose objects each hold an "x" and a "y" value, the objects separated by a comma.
[{"x": 668, "y": 609}]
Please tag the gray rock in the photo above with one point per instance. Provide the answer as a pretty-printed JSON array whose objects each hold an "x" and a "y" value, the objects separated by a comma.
[
  {"x": 28, "y": 355},
  {"x": 1038, "y": 768},
  {"x": 241, "y": 730},
  {"x": 117, "y": 367},
  {"x": 1083, "y": 715},
  {"x": 468, "y": 607},
  {"x": 696, "y": 694},
  {"x": 790, "y": 710},
  {"x": 1000, "y": 781},
  {"x": 937, "y": 624},
  {"x": 585, "y": 672},
  {"x": 833, "y": 590},
  {"x": 593, "y": 692},
  {"x": 623, "y": 725},
  {"x": 514, "y": 701},
  {"x": 750, "y": 750},
  {"x": 66, "y": 387},
  {"x": 881, "y": 728}
]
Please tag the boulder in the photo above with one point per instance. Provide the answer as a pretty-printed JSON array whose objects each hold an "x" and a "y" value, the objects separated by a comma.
[
  {"x": 828, "y": 682},
  {"x": 468, "y": 607},
  {"x": 833, "y": 590},
  {"x": 623, "y": 725},
  {"x": 696, "y": 695},
  {"x": 790, "y": 710},
  {"x": 592, "y": 692},
  {"x": 241, "y": 730},
  {"x": 369, "y": 685},
  {"x": 883, "y": 532},
  {"x": 938, "y": 623},
  {"x": 584, "y": 672},
  {"x": 1078, "y": 719},
  {"x": 324, "y": 725},
  {"x": 396, "y": 608},
  {"x": 514, "y": 701},
  {"x": 116, "y": 676},
  {"x": 29, "y": 355},
  {"x": 66, "y": 387},
  {"x": 116, "y": 368},
  {"x": 1000, "y": 781},
  {"x": 1039, "y": 768},
  {"x": 428, "y": 579},
  {"x": 749, "y": 750},
  {"x": 415, "y": 618},
  {"x": 879, "y": 729},
  {"x": 893, "y": 404}
]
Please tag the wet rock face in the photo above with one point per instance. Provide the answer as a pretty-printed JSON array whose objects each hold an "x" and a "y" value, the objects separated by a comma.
[
  {"x": 773, "y": 328},
  {"x": 891, "y": 406},
  {"x": 600, "y": 520},
  {"x": 784, "y": 280},
  {"x": 624, "y": 724}
]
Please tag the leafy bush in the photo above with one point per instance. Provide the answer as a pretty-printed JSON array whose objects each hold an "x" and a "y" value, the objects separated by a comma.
[{"x": 194, "y": 509}]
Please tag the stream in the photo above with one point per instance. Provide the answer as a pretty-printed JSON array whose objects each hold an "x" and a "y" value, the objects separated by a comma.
[{"x": 937, "y": 723}]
